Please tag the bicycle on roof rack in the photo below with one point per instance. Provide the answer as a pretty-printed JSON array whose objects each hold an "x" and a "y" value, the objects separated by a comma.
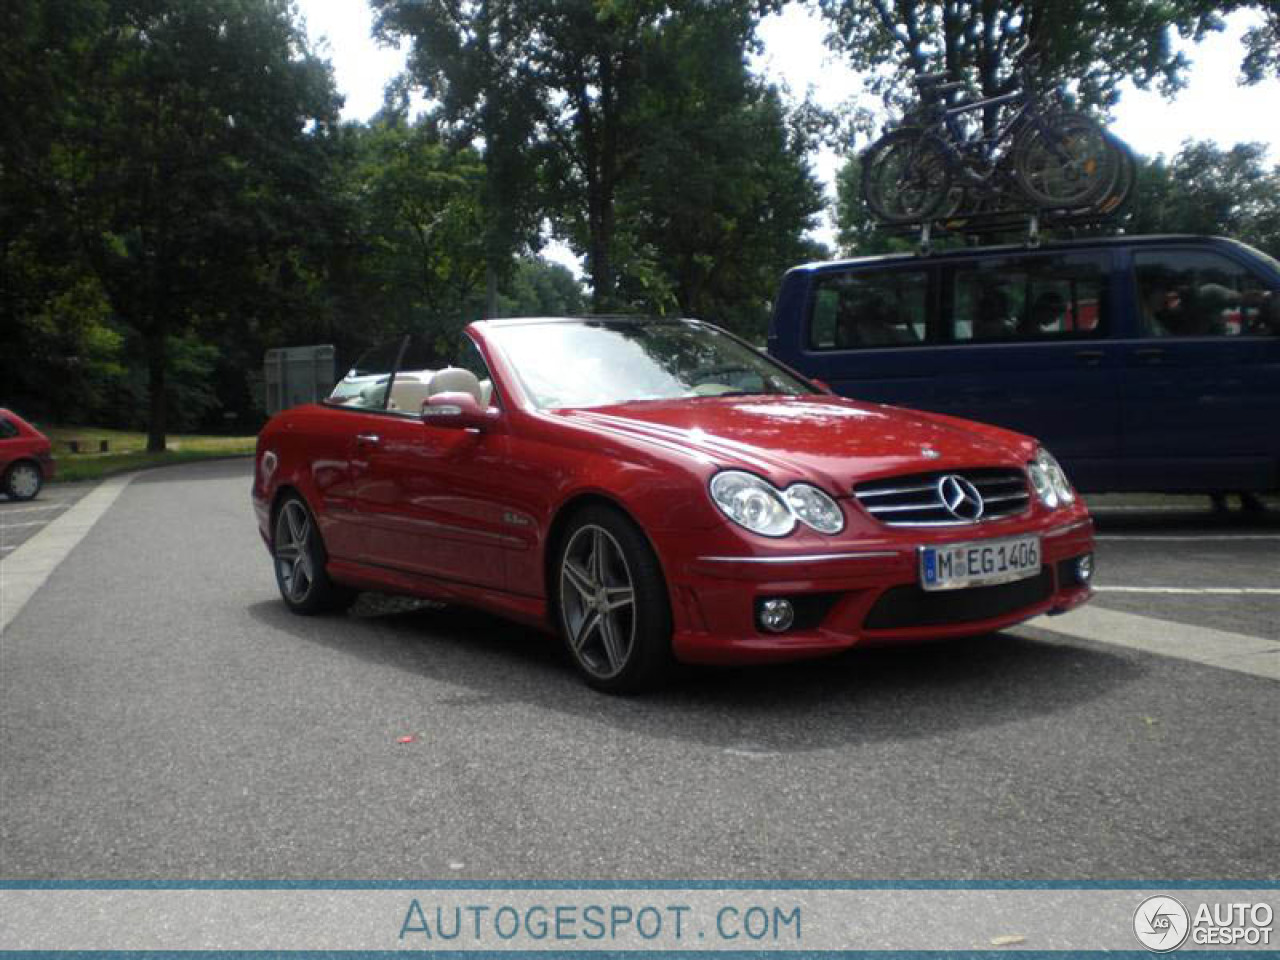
[{"x": 1036, "y": 159}]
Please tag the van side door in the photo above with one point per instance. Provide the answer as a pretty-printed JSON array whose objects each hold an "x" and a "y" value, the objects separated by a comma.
[
  {"x": 1025, "y": 343},
  {"x": 1201, "y": 385}
]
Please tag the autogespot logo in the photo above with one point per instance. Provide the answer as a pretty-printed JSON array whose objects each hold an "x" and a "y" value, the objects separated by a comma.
[{"x": 1161, "y": 923}]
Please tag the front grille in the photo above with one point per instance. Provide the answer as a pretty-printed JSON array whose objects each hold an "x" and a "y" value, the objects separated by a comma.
[
  {"x": 912, "y": 606},
  {"x": 915, "y": 500}
]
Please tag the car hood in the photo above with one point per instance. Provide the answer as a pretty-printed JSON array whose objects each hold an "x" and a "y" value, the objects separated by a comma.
[{"x": 821, "y": 437}]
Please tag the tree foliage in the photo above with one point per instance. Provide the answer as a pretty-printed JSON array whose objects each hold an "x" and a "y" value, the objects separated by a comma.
[
  {"x": 1207, "y": 189},
  {"x": 1262, "y": 47},
  {"x": 470, "y": 58},
  {"x": 182, "y": 150},
  {"x": 1092, "y": 45},
  {"x": 680, "y": 178}
]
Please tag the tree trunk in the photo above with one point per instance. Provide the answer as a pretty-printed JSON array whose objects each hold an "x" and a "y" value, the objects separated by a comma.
[
  {"x": 490, "y": 289},
  {"x": 157, "y": 421}
]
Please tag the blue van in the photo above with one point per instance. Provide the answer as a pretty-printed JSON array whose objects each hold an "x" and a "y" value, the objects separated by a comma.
[{"x": 1142, "y": 363}]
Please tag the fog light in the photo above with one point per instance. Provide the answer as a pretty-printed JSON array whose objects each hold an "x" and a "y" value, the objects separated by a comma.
[
  {"x": 1084, "y": 568},
  {"x": 777, "y": 615}
]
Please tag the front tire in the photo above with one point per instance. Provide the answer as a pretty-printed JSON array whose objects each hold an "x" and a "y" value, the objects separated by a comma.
[
  {"x": 299, "y": 559},
  {"x": 905, "y": 176},
  {"x": 612, "y": 604},
  {"x": 23, "y": 480}
]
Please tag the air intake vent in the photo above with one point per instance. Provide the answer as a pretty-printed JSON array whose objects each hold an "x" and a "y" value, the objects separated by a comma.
[{"x": 946, "y": 498}]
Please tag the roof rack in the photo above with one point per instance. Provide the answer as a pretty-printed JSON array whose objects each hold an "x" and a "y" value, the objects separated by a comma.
[{"x": 982, "y": 223}]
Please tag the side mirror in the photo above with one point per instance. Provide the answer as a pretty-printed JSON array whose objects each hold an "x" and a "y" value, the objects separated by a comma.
[{"x": 459, "y": 411}]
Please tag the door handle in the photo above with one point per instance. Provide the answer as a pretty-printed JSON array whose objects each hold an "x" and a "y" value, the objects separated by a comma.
[
  {"x": 1150, "y": 354},
  {"x": 367, "y": 439},
  {"x": 1090, "y": 357}
]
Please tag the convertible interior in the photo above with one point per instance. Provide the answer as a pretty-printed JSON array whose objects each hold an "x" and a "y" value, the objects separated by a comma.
[{"x": 412, "y": 388}]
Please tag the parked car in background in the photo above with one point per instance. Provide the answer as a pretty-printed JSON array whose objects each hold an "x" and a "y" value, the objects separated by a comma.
[
  {"x": 659, "y": 490},
  {"x": 26, "y": 457},
  {"x": 1145, "y": 363}
]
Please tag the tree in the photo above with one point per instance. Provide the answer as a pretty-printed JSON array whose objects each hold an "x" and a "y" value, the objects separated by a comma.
[
  {"x": 573, "y": 82},
  {"x": 183, "y": 146},
  {"x": 539, "y": 288},
  {"x": 471, "y": 58},
  {"x": 1091, "y": 45},
  {"x": 423, "y": 220},
  {"x": 721, "y": 199},
  {"x": 1262, "y": 48},
  {"x": 1206, "y": 189}
]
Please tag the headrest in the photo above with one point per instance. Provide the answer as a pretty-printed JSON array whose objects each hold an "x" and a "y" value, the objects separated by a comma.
[{"x": 455, "y": 380}]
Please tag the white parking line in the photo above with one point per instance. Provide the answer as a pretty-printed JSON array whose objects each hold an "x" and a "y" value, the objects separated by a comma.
[
  {"x": 15, "y": 526},
  {"x": 25, "y": 570},
  {"x": 1222, "y": 591},
  {"x": 1216, "y": 648},
  {"x": 6, "y": 511},
  {"x": 1152, "y": 509},
  {"x": 1229, "y": 537}
]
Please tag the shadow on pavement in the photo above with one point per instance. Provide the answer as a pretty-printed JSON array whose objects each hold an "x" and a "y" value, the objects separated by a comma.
[{"x": 861, "y": 697}]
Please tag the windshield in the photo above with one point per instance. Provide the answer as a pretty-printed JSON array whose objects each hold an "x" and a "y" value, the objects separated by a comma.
[{"x": 595, "y": 363}]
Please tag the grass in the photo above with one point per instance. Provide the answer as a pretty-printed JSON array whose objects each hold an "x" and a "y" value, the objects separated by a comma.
[{"x": 127, "y": 450}]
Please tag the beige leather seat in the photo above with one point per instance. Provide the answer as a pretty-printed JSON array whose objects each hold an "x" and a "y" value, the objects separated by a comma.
[
  {"x": 456, "y": 380},
  {"x": 410, "y": 391}
]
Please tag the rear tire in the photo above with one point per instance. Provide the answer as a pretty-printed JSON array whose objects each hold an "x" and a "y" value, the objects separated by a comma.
[
  {"x": 1069, "y": 164},
  {"x": 611, "y": 602},
  {"x": 23, "y": 480},
  {"x": 905, "y": 176},
  {"x": 299, "y": 558}
]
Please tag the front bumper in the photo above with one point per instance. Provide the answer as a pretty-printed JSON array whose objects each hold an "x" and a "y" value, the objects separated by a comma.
[{"x": 856, "y": 594}]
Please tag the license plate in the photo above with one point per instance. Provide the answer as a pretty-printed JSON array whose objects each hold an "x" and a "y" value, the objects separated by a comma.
[{"x": 979, "y": 563}]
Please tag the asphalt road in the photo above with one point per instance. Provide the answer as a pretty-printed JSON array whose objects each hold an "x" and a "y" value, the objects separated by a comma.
[
  {"x": 162, "y": 716},
  {"x": 20, "y": 520}
]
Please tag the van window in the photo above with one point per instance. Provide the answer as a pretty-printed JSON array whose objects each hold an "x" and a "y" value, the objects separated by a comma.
[
  {"x": 859, "y": 309},
  {"x": 1194, "y": 293},
  {"x": 7, "y": 429},
  {"x": 1032, "y": 298}
]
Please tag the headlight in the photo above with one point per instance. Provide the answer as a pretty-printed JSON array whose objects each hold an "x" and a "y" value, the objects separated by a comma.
[
  {"x": 1049, "y": 480},
  {"x": 750, "y": 502},
  {"x": 757, "y": 505},
  {"x": 814, "y": 508}
]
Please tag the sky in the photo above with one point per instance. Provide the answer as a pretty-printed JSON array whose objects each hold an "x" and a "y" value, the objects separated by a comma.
[{"x": 1211, "y": 107}]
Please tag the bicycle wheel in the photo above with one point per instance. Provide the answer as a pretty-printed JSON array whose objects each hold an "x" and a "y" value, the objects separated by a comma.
[
  {"x": 905, "y": 176},
  {"x": 1065, "y": 164},
  {"x": 1114, "y": 200}
]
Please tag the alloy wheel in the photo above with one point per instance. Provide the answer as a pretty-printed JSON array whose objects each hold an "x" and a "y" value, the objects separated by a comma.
[
  {"x": 293, "y": 551},
  {"x": 597, "y": 601}
]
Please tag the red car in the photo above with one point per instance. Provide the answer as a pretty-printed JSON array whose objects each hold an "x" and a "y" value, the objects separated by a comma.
[
  {"x": 657, "y": 490},
  {"x": 26, "y": 457}
]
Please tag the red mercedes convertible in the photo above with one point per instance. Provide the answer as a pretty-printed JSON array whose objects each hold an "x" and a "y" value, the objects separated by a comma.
[{"x": 658, "y": 490}]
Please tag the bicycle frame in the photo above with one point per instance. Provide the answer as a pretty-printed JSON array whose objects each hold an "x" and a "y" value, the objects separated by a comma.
[{"x": 955, "y": 138}]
